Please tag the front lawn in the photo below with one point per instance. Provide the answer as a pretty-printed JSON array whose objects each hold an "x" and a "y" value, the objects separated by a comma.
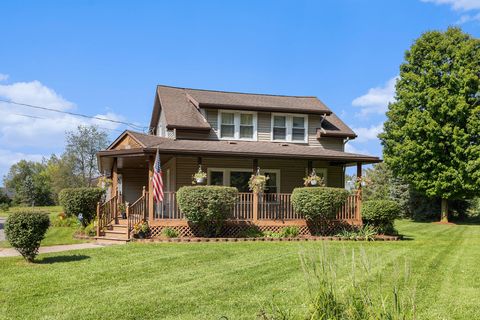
[
  {"x": 55, "y": 235},
  {"x": 236, "y": 280}
]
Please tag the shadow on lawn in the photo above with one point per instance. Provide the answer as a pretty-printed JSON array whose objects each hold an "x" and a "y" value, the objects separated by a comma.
[{"x": 60, "y": 259}]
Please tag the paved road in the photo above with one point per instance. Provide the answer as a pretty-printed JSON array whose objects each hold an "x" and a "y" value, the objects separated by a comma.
[{"x": 2, "y": 232}]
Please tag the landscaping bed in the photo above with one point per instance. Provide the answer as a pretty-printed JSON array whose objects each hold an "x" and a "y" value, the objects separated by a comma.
[{"x": 266, "y": 239}]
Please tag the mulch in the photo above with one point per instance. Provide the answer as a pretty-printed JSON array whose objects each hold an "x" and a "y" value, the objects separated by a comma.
[{"x": 265, "y": 239}]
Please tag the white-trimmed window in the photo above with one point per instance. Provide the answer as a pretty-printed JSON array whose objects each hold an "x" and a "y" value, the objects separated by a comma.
[
  {"x": 239, "y": 178},
  {"x": 237, "y": 125},
  {"x": 289, "y": 127}
]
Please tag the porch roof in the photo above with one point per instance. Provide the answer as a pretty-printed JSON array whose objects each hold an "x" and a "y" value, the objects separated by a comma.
[{"x": 251, "y": 149}]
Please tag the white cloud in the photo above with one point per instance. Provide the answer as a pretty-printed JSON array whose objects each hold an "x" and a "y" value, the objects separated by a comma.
[
  {"x": 468, "y": 18},
  {"x": 34, "y": 93},
  {"x": 376, "y": 100},
  {"x": 368, "y": 134},
  {"x": 43, "y": 132},
  {"x": 3, "y": 77},
  {"x": 22, "y": 126},
  {"x": 461, "y": 5},
  {"x": 458, "y": 5}
]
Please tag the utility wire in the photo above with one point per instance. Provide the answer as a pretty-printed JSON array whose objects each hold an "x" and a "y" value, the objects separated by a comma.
[
  {"x": 73, "y": 114},
  {"x": 36, "y": 117}
]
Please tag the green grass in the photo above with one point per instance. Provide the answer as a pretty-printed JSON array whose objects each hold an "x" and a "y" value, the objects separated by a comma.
[
  {"x": 208, "y": 280},
  {"x": 55, "y": 235}
]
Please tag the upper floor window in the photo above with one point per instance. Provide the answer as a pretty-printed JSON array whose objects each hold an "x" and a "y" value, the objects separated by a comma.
[
  {"x": 289, "y": 127},
  {"x": 237, "y": 125}
]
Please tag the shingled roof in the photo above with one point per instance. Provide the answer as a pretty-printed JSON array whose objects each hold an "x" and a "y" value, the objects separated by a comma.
[
  {"x": 181, "y": 107},
  {"x": 149, "y": 143}
]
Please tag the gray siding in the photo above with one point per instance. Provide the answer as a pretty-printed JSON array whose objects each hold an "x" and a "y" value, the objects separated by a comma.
[
  {"x": 264, "y": 123},
  {"x": 292, "y": 172}
]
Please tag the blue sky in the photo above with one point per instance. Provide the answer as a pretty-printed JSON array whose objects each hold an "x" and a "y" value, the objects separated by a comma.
[{"x": 105, "y": 58}]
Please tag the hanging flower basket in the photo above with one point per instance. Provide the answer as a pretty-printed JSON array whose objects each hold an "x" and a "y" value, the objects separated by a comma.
[
  {"x": 313, "y": 180},
  {"x": 257, "y": 183},
  {"x": 200, "y": 177}
]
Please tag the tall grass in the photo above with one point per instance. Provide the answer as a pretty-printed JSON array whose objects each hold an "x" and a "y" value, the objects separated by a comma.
[{"x": 362, "y": 295}]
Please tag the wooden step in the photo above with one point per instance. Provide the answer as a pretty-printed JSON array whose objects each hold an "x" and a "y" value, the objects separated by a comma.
[
  {"x": 116, "y": 235},
  {"x": 118, "y": 227}
]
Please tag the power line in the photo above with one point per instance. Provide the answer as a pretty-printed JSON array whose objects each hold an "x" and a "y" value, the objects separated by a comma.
[
  {"x": 36, "y": 117},
  {"x": 73, "y": 114}
]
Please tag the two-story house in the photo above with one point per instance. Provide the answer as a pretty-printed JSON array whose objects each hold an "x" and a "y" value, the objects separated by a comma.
[{"x": 230, "y": 135}]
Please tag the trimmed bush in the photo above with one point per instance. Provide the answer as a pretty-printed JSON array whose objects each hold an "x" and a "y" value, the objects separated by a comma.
[
  {"x": 380, "y": 214},
  {"x": 207, "y": 206},
  {"x": 318, "y": 202},
  {"x": 25, "y": 230},
  {"x": 76, "y": 201}
]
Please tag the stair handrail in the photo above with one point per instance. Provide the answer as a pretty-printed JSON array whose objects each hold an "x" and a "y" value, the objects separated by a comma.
[
  {"x": 106, "y": 213},
  {"x": 136, "y": 212}
]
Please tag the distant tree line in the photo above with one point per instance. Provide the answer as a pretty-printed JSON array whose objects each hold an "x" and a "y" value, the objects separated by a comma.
[
  {"x": 39, "y": 183},
  {"x": 382, "y": 184}
]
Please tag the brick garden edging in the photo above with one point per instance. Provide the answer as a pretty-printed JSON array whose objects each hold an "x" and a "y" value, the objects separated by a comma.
[{"x": 263, "y": 239}]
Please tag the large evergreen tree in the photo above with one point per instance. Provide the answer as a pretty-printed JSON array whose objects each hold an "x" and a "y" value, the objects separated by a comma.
[{"x": 432, "y": 135}]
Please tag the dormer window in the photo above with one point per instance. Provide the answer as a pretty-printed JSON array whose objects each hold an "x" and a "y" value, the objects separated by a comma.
[
  {"x": 237, "y": 125},
  {"x": 289, "y": 127}
]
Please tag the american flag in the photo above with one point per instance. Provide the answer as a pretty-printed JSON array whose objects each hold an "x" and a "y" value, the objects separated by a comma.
[{"x": 157, "y": 180}]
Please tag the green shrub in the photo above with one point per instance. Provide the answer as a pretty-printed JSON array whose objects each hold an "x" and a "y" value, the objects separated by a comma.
[
  {"x": 76, "y": 201},
  {"x": 380, "y": 214},
  {"x": 207, "y": 206},
  {"x": 90, "y": 230},
  {"x": 25, "y": 230},
  {"x": 318, "y": 202},
  {"x": 290, "y": 232},
  {"x": 4, "y": 207},
  {"x": 170, "y": 233},
  {"x": 250, "y": 232}
]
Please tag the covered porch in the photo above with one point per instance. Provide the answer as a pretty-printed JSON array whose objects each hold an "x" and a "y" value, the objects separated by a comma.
[{"x": 131, "y": 172}]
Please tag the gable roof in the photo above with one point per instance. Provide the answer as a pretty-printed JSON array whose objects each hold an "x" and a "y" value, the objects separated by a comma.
[
  {"x": 333, "y": 126},
  {"x": 239, "y": 148},
  {"x": 181, "y": 105}
]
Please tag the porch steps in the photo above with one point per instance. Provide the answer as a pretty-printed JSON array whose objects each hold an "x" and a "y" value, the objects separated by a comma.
[{"x": 115, "y": 233}]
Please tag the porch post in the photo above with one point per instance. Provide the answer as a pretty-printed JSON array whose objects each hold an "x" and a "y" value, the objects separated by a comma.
[
  {"x": 358, "y": 207},
  {"x": 98, "y": 219},
  {"x": 255, "y": 207},
  {"x": 255, "y": 194},
  {"x": 114, "y": 190},
  {"x": 151, "y": 162}
]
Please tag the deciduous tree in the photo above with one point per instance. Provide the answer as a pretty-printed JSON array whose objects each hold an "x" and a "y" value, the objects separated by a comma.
[
  {"x": 432, "y": 135},
  {"x": 82, "y": 147}
]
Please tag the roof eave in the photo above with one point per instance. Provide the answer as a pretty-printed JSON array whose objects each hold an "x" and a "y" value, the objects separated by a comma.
[{"x": 260, "y": 108}]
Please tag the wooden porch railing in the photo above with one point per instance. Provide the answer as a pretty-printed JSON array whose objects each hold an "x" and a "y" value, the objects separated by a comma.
[
  {"x": 106, "y": 213},
  {"x": 243, "y": 208},
  {"x": 349, "y": 209},
  {"x": 168, "y": 208},
  {"x": 252, "y": 207},
  {"x": 137, "y": 212}
]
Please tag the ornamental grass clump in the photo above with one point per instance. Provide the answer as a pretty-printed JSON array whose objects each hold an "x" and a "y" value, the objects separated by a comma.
[
  {"x": 318, "y": 202},
  {"x": 25, "y": 230},
  {"x": 207, "y": 206}
]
